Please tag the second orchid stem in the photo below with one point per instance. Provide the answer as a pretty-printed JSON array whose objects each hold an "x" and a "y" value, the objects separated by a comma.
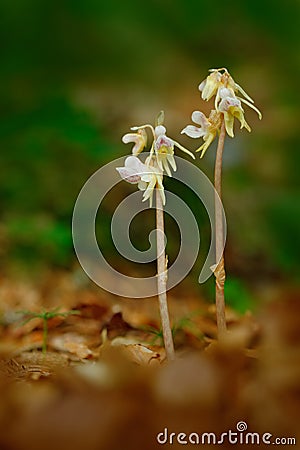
[
  {"x": 220, "y": 270},
  {"x": 162, "y": 278}
]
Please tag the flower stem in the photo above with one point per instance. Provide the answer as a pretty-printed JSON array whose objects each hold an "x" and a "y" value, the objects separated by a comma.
[
  {"x": 45, "y": 335},
  {"x": 219, "y": 270},
  {"x": 162, "y": 278}
]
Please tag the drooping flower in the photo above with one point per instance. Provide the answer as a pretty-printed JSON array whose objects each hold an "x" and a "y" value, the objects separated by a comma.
[
  {"x": 133, "y": 170},
  {"x": 162, "y": 146},
  {"x": 221, "y": 79},
  {"x": 149, "y": 182},
  {"x": 231, "y": 107},
  {"x": 145, "y": 176},
  {"x": 208, "y": 128},
  {"x": 139, "y": 138},
  {"x": 161, "y": 158},
  {"x": 228, "y": 106},
  {"x": 164, "y": 150},
  {"x": 210, "y": 85}
]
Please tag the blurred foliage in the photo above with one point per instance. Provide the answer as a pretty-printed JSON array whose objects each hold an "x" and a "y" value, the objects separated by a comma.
[
  {"x": 49, "y": 152},
  {"x": 75, "y": 75},
  {"x": 238, "y": 296},
  {"x": 284, "y": 214}
]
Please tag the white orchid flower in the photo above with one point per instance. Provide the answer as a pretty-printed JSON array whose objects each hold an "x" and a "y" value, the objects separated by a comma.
[
  {"x": 231, "y": 107},
  {"x": 162, "y": 146},
  {"x": 228, "y": 105},
  {"x": 139, "y": 139},
  {"x": 164, "y": 150},
  {"x": 208, "y": 128},
  {"x": 217, "y": 81},
  {"x": 146, "y": 177}
]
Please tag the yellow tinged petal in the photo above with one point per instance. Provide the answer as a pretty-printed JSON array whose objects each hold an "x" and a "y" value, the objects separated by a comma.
[
  {"x": 210, "y": 137},
  {"x": 229, "y": 120},
  {"x": 185, "y": 150},
  {"x": 241, "y": 90},
  {"x": 211, "y": 86},
  {"x": 251, "y": 106},
  {"x": 239, "y": 114}
]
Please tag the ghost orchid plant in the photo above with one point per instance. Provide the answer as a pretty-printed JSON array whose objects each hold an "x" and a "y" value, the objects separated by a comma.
[
  {"x": 149, "y": 178},
  {"x": 229, "y": 97}
]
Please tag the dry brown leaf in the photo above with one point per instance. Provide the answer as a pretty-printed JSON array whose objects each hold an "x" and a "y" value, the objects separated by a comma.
[
  {"x": 73, "y": 343},
  {"x": 142, "y": 355},
  {"x": 78, "y": 349}
]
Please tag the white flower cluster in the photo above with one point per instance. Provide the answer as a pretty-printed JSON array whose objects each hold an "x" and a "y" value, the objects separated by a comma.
[
  {"x": 229, "y": 97},
  {"x": 228, "y": 105},
  {"x": 149, "y": 175}
]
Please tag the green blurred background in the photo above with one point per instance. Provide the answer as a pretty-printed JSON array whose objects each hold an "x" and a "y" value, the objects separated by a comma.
[{"x": 76, "y": 74}]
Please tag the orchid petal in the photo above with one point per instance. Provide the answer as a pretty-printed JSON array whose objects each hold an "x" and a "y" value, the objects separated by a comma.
[
  {"x": 160, "y": 163},
  {"x": 163, "y": 141},
  {"x": 185, "y": 150},
  {"x": 172, "y": 162},
  {"x": 193, "y": 131},
  {"x": 229, "y": 102},
  {"x": 140, "y": 127},
  {"x": 239, "y": 114},
  {"x": 206, "y": 144},
  {"x": 241, "y": 90},
  {"x": 229, "y": 121},
  {"x": 147, "y": 176},
  {"x": 225, "y": 92},
  {"x": 149, "y": 191},
  {"x": 199, "y": 118},
  {"x": 129, "y": 137},
  {"x": 202, "y": 85},
  {"x": 133, "y": 162},
  {"x": 142, "y": 185},
  {"x": 129, "y": 175},
  {"x": 251, "y": 106},
  {"x": 134, "y": 170},
  {"x": 211, "y": 85},
  {"x": 166, "y": 166},
  {"x": 160, "y": 130},
  {"x": 139, "y": 138}
]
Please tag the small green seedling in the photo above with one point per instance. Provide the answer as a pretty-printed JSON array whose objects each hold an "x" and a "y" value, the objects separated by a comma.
[{"x": 45, "y": 316}]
